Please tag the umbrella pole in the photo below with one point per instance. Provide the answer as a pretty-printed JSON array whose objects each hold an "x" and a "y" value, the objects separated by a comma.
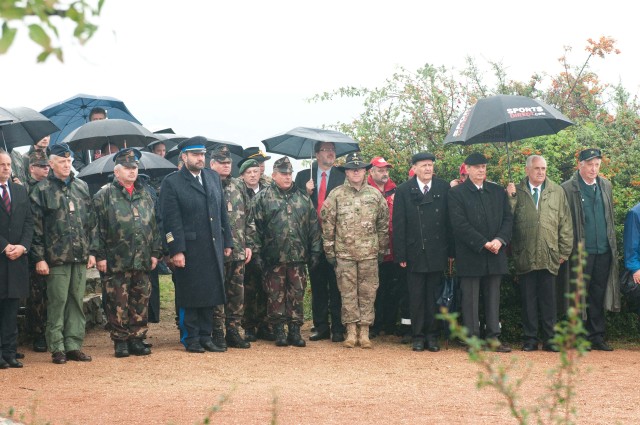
[
  {"x": 4, "y": 141},
  {"x": 508, "y": 162}
]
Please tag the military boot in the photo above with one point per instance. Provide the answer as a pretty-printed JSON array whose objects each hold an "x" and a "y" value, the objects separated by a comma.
[
  {"x": 363, "y": 331},
  {"x": 350, "y": 342},
  {"x": 218, "y": 338},
  {"x": 234, "y": 340},
  {"x": 121, "y": 348},
  {"x": 281, "y": 337},
  {"x": 137, "y": 348},
  {"x": 40, "y": 344},
  {"x": 265, "y": 333},
  {"x": 294, "y": 337},
  {"x": 250, "y": 335}
]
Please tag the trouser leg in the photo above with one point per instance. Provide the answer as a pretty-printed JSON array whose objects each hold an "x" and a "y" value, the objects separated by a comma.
[
  {"x": 470, "y": 288},
  {"x": 491, "y": 295}
]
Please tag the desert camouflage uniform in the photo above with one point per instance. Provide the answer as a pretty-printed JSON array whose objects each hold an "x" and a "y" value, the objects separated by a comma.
[
  {"x": 127, "y": 239},
  {"x": 243, "y": 233},
  {"x": 355, "y": 229},
  {"x": 288, "y": 236}
]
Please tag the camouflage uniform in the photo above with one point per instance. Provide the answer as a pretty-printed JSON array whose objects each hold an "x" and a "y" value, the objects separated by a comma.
[
  {"x": 64, "y": 226},
  {"x": 355, "y": 227},
  {"x": 127, "y": 239},
  {"x": 289, "y": 235}
]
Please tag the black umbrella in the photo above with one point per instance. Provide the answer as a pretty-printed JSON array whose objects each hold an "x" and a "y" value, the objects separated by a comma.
[
  {"x": 169, "y": 140},
  {"x": 23, "y": 127},
  {"x": 299, "y": 142},
  {"x": 505, "y": 118},
  {"x": 122, "y": 133},
  {"x": 101, "y": 170}
]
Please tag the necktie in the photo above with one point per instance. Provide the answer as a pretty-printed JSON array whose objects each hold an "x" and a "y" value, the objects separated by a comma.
[
  {"x": 5, "y": 198},
  {"x": 199, "y": 179},
  {"x": 322, "y": 192},
  {"x": 535, "y": 196},
  {"x": 426, "y": 189}
]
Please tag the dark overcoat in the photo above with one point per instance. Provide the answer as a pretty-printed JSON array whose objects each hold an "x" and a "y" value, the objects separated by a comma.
[
  {"x": 421, "y": 231},
  {"x": 336, "y": 178},
  {"x": 15, "y": 229},
  {"x": 478, "y": 217},
  {"x": 195, "y": 222}
]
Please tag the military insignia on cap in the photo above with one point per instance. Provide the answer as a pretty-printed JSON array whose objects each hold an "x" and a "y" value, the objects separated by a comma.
[
  {"x": 283, "y": 165},
  {"x": 221, "y": 153}
]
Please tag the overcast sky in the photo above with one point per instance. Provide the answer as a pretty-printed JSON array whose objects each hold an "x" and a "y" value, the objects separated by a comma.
[{"x": 241, "y": 70}]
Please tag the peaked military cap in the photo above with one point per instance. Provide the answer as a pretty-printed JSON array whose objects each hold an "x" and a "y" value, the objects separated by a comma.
[
  {"x": 354, "y": 161},
  {"x": 62, "y": 150},
  {"x": 38, "y": 157},
  {"x": 248, "y": 164},
  {"x": 128, "y": 157},
  {"x": 422, "y": 156},
  {"x": 253, "y": 153},
  {"x": 194, "y": 144},
  {"x": 283, "y": 165},
  {"x": 476, "y": 158},
  {"x": 221, "y": 153},
  {"x": 588, "y": 154}
]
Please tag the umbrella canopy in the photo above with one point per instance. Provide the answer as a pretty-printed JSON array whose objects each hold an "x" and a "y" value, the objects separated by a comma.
[
  {"x": 505, "y": 118},
  {"x": 101, "y": 170},
  {"x": 74, "y": 112},
  {"x": 299, "y": 142},
  {"x": 170, "y": 140},
  {"x": 23, "y": 127},
  {"x": 122, "y": 133}
]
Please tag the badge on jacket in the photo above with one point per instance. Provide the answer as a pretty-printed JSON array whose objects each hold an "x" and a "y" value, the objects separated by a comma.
[{"x": 169, "y": 237}]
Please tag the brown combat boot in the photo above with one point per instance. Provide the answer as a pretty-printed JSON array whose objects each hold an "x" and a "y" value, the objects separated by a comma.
[
  {"x": 364, "y": 336},
  {"x": 350, "y": 341}
]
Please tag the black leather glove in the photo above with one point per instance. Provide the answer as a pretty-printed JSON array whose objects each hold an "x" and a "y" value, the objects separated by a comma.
[
  {"x": 315, "y": 261},
  {"x": 332, "y": 261}
]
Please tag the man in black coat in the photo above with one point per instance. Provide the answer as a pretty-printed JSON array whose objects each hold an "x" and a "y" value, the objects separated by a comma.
[
  {"x": 421, "y": 245},
  {"x": 481, "y": 220},
  {"x": 325, "y": 296},
  {"x": 16, "y": 231},
  {"x": 197, "y": 233}
]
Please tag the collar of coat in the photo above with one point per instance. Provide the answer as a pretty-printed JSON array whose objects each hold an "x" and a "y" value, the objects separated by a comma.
[{"x": 486, "y": 186}]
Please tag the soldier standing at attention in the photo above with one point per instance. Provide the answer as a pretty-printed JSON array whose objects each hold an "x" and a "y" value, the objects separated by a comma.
[
  {"x": 243, "y": 230},
  {"x": 127, "y": 249},
  {"x": 355, "y": 230},
  {"x": 64, "y": 226},
  {"x": 288, "y": 237}
]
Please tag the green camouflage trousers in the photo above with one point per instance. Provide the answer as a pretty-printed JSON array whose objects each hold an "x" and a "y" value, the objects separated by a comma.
[
  {"x": 285, "y": 285},
  {"x": 37, "y": 304},
  {"x": 255, "y": 299},
  {"x": 230, "y": 314},
  {"x": 127, "y": 304},
  {"x": 358, "y": 283}
]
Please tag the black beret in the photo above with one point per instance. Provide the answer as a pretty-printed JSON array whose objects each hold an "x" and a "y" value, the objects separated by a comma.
[
  {"x": 476, "y": 158},
  {"x": 422, "y": 156},
  {"x": 588, "y": 154}
]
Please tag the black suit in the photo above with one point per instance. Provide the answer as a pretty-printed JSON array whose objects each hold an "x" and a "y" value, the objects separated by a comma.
[
  {"x": 325, "y": 296},
  {"x": 421, "y": 238},
  {"x": 16, "y": 228}
]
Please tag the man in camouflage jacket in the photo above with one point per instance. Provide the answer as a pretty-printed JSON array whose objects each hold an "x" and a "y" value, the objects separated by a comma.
[
  {"x": 355, "y": 230},
  {"x": 127, "y": 248},
  {"x": 288, "y": 237},
  {"x": 64, "y": 226},
  {"x": 243, "y": 230}
]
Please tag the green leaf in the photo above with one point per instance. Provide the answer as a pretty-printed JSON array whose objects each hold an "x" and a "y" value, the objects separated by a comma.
[
  {"x": 38, "y": 35},
  {"x": 11, "y": 13},
  {"x": 8, "y": 34},
  {"x": 43, "y": 56}
]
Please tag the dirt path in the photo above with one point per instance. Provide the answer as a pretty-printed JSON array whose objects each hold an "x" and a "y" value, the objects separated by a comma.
[{"x": 320, "y": 384}]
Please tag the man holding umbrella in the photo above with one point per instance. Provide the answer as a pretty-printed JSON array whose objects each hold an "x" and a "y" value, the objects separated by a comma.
[{"x": 127, "y": 248}]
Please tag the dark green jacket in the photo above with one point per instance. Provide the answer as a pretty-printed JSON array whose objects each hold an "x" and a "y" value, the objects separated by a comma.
[
  {"x": 287, "y": 225},
  {"x": 127, "y": 232},
  {"x": 243, "y": 229},
  {"x": 60, "y": 235}
]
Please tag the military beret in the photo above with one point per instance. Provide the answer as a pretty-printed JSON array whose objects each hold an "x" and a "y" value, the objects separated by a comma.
[
  {"x": 248, "y": 164},
  {"x": 62, "y": 150},
  {"x": 380, "y": 162},
  {"x": 283, "y": 165},
  {"x": 354, "y": 161},
  {"x": 422, "y": 156},
  {"x": 221, "y": 153},
  {"x": 588, "y": 154},
  {"x": 38, "y": 157},
  {"x": 194, "y": 144},
  {"x": 476, "y": 158},
  {"x": 128, "y": 157}
]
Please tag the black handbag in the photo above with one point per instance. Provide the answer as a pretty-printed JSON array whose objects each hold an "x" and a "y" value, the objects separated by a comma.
[
  {"x": 449, "y": 290},
  {"x": 627, "y": 286}
]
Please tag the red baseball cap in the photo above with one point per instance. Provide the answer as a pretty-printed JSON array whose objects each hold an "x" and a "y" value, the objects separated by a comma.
[{"x": 379, "y": 161}]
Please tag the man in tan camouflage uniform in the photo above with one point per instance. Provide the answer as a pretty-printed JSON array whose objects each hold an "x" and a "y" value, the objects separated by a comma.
[
  {"x": 243, "y": 230},
  {"x": 64, "y": 226},
  {"x": 355, "y": 229},
  {"x": 288, "y": 237},
  {"x": 127, "y": 248}
]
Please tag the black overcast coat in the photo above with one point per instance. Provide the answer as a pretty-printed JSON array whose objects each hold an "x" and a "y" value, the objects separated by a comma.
[{"x": 195, "y": 222}]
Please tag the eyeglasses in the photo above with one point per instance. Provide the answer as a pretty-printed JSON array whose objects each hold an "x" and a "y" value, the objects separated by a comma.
[{"x": 327, "y": 149}]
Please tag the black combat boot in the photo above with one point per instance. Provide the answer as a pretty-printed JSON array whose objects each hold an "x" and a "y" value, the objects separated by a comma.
[
  {"x": 265, "y": 333},
  {"x": 121, "y": 348},
  {"x": 281, "y": 337},
  {"x": 218, "y": 338},
  {"x": 40, "y": 344},
  {"x": 137, "y": 348},
  {"x": 234, "y": 340},
  {"x": 250, "y": 335},
  {"x": 294, "y": 337}
]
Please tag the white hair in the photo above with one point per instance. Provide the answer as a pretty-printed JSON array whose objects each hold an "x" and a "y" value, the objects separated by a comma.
[{"x": 531, "y": 158}]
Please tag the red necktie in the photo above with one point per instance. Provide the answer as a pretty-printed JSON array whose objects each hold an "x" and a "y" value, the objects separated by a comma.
[
  {"x": 322, "y": 192},
  {"x": 5, "y": 198}
]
